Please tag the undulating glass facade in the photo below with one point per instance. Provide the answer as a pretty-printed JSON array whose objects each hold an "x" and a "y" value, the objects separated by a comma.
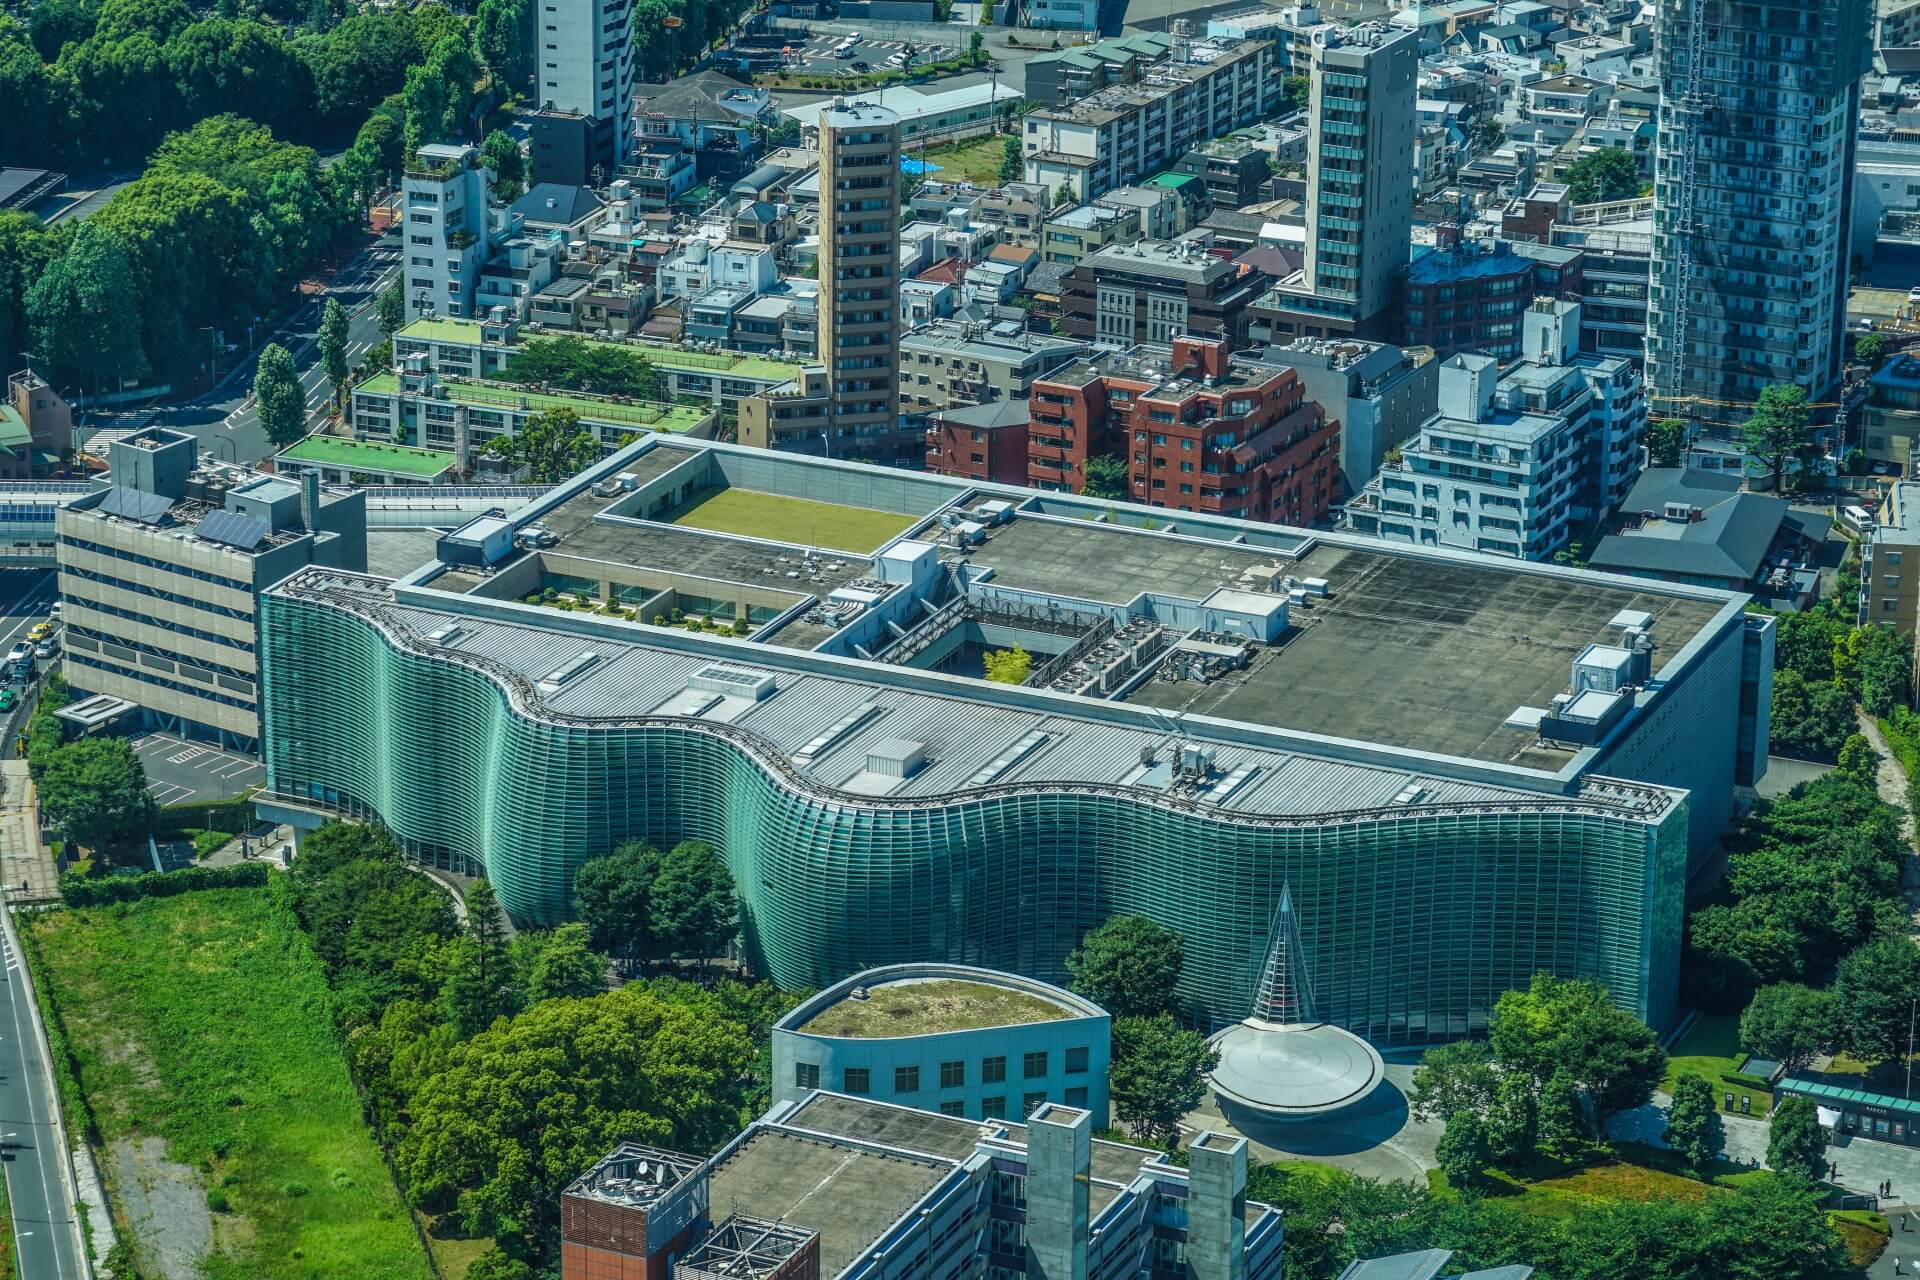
[{"x": 1415, "y": 920}]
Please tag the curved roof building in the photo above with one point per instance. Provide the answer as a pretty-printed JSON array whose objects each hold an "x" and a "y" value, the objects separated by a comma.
[{"x": 1466, "y": 769}]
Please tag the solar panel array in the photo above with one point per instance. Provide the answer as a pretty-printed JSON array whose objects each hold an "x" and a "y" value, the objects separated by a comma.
[
  {"x": 135, "y": 504},
  {"x": 233, "y": 529}
]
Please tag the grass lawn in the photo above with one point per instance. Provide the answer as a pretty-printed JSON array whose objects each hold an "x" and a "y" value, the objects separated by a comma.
[
  {"x": 1864, "y": 1234},
  {"x": 975, "y": 160},
  {"x": 202, "y": 1021},
  {"x": 798, "y": 520},
  {"x": 9, "y": 1265},
  {"x": 1711, "y": 1048}
]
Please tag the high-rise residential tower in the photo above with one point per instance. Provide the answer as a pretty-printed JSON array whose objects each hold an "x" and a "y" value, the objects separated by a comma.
[
  {"x": 584, "y": 121},
  {"x": 860, "y": 273},
  {"x": 1360, "y": 131},
  {"x": 1753, "y": 183}
]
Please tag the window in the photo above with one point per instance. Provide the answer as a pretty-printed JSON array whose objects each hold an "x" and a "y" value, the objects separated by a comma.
[
  {"x": 953, "y": 1107},
  {"x": 1076, "y": 1059},
  {"x": 993, "y": 1108},
  {"x": 1077, "y": 1096},
  {"x": 806, "y": 1075},
  {"x": 906, "y": 1079},
  {"x": 953, "y": 1075},
  {"x": 854, "y": 1080},
  {"x": 1031, "y": 1103},
  {"x": 1889, "y": 606},
  {"x": 1893, "y": 557},
  {"x": 1035, "y": 1064},
  {"x": 993, "y": 1070}
]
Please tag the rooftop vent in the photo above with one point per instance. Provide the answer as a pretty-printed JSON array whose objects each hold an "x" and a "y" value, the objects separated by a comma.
[{"x": 572, "y": 669}]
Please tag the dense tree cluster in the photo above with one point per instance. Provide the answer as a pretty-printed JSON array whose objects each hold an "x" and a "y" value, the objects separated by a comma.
[
  {"x": 497, "y": 1066},
  {"x": 1610, "y": 173},
  {"x": 92, "y": 790},
  {"x": 1554, "y": 1053},
  {"x": 1770, "y": 1228},
  {"x": 1823, "y": 664},
  {"x": 598, "y": 368},
  {"x": 1811, "y": 876}
]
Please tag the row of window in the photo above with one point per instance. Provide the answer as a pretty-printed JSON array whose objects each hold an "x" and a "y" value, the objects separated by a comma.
[
  {"x": 953, "y": 1075},
  {"x": 154, "y": 592},
  {"x": 85, "y": 544}
]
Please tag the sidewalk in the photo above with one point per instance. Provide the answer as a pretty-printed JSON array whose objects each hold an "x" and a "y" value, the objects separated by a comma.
[{"x": 23, "y": 859}]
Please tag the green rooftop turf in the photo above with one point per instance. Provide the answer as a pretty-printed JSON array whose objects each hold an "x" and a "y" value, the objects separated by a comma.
[
  {"x": 672, "y": 418},
  {"x": 926, "y": 1008},
  {"x": 803, "y": 521},
  {"x": 364, "y": 455}
]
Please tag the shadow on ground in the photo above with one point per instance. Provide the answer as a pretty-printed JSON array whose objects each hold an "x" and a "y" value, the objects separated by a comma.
[{"x": 1364, "y": 1128}]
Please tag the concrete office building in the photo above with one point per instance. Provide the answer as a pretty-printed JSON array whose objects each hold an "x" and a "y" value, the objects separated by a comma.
[
  {"x": 161, "y": 571},
  {"x": 1753, "y": 193},
  {"x": 1156, "y": 291},
  {"x": 948, "y": 1038},
  {"x": 1360, "y": 166},
  {"x": 860, "y": 266},
  {"x": 832, "y": 1187},
  {"x": 948, "y": 363},
  {"x": 1378, "y": 727},
  {"x": 444, "y": 195},
  {"x": 1376, "y": 392},
  {"x": 584, "y": 123}
]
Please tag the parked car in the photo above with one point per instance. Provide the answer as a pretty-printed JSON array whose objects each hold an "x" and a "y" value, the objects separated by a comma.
[
  {"x": 44, "y": 650},
  {"x": 861, "y": 64},
  {"x": 1913, "y": 294}
]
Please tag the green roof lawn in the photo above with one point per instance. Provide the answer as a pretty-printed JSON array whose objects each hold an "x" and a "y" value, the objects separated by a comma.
[
  {"x": 733, "y": 363},
  {"x": 802, "y": 521},
  {"x": 672, "y": 418},
  {"x": 365, "y": 455},
  {"x": 930, "y": 1007}
]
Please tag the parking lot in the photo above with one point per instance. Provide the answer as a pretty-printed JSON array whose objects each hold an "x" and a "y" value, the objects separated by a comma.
[
  {"x": 816, "y": 56},
  {"x": 180, "y": 772}
]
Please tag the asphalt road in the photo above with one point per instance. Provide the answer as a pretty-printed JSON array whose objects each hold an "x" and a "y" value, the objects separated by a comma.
[{"x": 224, "y": 417}]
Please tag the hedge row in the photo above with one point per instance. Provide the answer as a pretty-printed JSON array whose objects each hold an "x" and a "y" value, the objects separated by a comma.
[
  {"x": 86, "y": 892},
  {"x": 233, "y": 816}
]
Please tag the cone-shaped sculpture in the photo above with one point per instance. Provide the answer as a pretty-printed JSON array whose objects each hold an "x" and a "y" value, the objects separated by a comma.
[{"x": 1286, "y": 985}]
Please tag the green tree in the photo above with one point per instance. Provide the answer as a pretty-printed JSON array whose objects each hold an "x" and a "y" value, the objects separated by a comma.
[
  {"x": 439, "y": 94},
  {"x": 1513, "y": 1119},
  {"x": 1465, "y": 1152},
  {"x": 1874, "y": 987},
  {"x": 1456, "y": 1076},
  {"x": 1666, "y": 441},
  {"x": 695, "y": 912},
  {"x": 1106, "y": 477},
  {"x": 1693, "y": 1125},
  {"x": 603, "y": 368},
  {"x": 83, "y": 313},
  {"x": 551, "y": 445},
  {"x": 1796, "y": 1144},
  {"x": 1776, "y": 431},
  {"x": 496, "y": 1265},
  {"x": 1885, "y": 669},
  {"x": 1296, "y": 92},
  {"x": 1870, "y": 348},
  {"x": 524, "y": 1107},
  {"x": 1608, "y": 174},
  {"x": 1769, "y": 1228},
  {"x": 564, "y": 967},
  {"x": 502, "y": 155},
  {"x": 1808, "y": 719},
  {"x": 378, "y": 927},
  {"x": 1158, "y": 1075},
  {"x": 1858, "y": 759},
  {"x": 95, "y": 791},
  {"x": 1792, "y": 1024},
  {"x": 390, "y": 309},
  {"x": 1128, "y": 965},
  {"x": 501, "y": 36},
  {"x": 332, "y": 345},
  {"x": 1566, "y": 1022},
  {"x": 610, "y": 895},
  {"x": 1011, "y": 165},
  {"x": 277, "y": 398},
  {"x": 1560, "y": 1130},
  {"x": 1008, "y": 666}
]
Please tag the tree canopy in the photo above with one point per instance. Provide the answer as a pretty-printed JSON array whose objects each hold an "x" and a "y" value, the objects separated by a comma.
[
  {"x": 1569, "y": 1024},
  {"x": 95, "y": 791},
  {"x": 1158, "y": 1074},
  {"x": 611, "y": 895},
  {"x": 694, "y": 911},
  {"x": 574, "y": 364},
  {"x": 1128, "y": 965},
  {"x": 551, "y": 445},
  {"x": 1610, "y": 173},
  {"x": 1775, "y": 432}
]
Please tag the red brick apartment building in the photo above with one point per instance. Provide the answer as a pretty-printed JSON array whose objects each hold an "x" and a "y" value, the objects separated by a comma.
[{"x": 1200, "y": 432}]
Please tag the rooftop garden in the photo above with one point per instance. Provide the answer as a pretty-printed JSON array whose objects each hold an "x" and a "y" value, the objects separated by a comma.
[{"x": 931, "y": 1007}]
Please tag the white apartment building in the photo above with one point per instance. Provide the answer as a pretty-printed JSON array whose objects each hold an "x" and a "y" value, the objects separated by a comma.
[
  {"x": 444, "y": 194},
  {"x": 1126, "y": 132},
  {"x": 585, "y": 56},
  {"x": 1516, "y": 464}
]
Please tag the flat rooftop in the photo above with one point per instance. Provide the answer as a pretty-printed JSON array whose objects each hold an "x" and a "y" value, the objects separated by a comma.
[
  {"x": 366, "y": 455},
  {"x": 922, "y": 1006},
  {"x": 672, "y": 418}
]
